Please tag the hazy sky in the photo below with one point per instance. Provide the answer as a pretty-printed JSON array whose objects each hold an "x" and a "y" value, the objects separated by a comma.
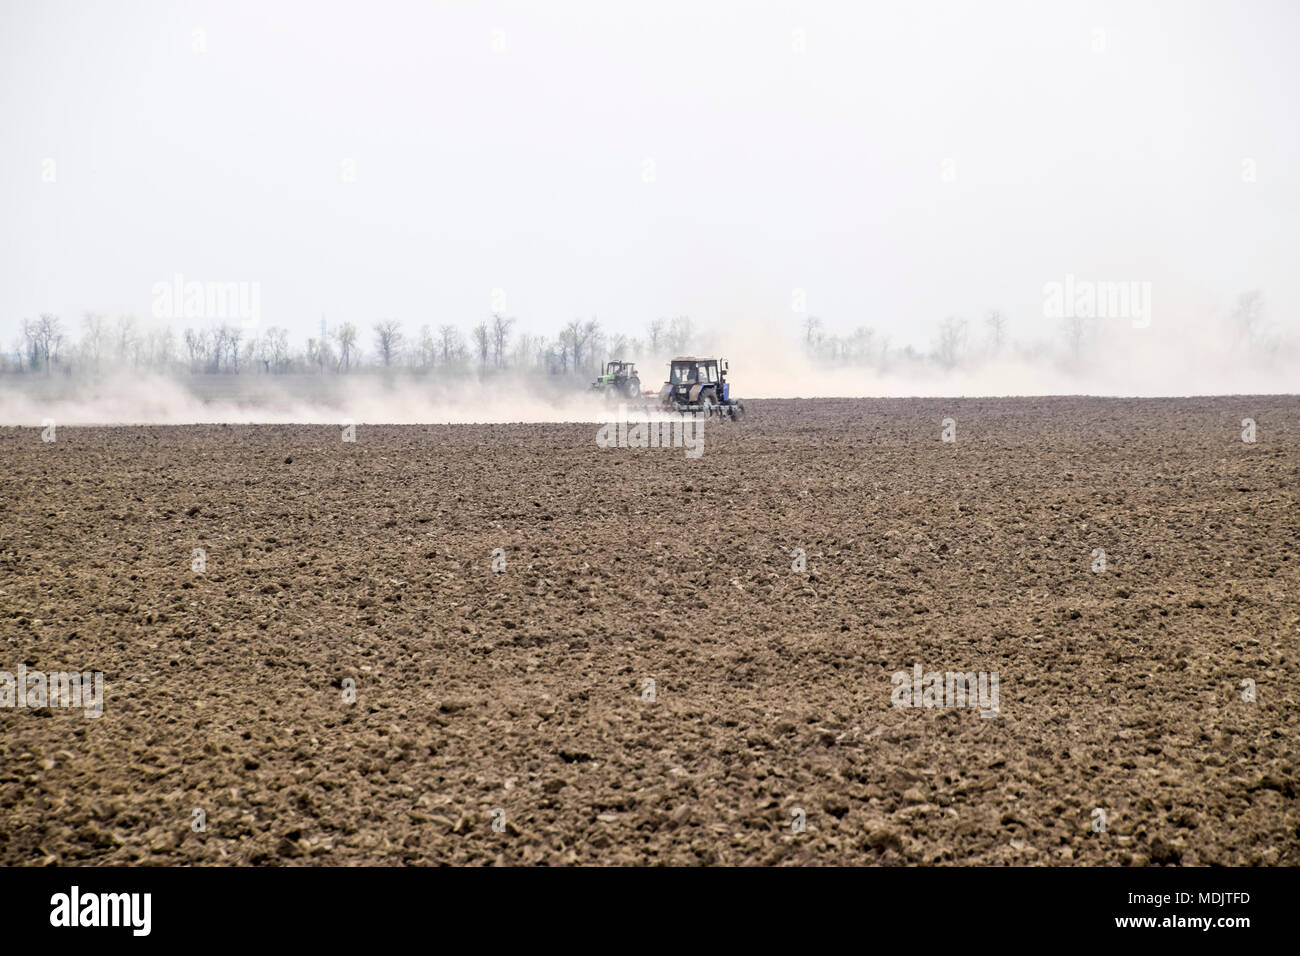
[{"x": 899, "y": 162}]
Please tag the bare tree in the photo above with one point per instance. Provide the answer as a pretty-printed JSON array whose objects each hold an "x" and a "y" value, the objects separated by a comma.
[
  {"x": 31, "y": 344},
  {"x": 275, "y": 349},
  {"x": 388, "y": 340},
  {"x": 233, "y": 334},
  {"x": 260, "y": 348},
  {"x": 860, "y": 345},
  {"x": 572, "y": 338},
  {"x": 94, "y": 335},
  {"x": 544, "y": 353},
  {"x": 656, "y": 332},
  {"x": 482, "y": 339},
  {"x": 125, "y": 336},
  {"x": 319, "y": 354},
  {"x": 591, "y": 338},
  {"x": 679, "y": 334},
  {"x": 952, "y": 342},
  {"x": 449, "y": 342},
  {"x": 193, "y": 347},
  {"x": 500, "y": 333},
  {"x": 996, "y": 323},
  {"x": 1075, "y": 329},
  {"x": 220, "y": 342},
  {"x": 346, "y": 337},
  {"x": 560, "y": 360},
  {"x": 525, "y": 350},
  {"x": 162, "y": 347},
  {"x": 426, "y": 348},
  {"x": 49, "y": 336},
  {"x": 811, "y": 330},
  {"x": 618, "y": 347}
]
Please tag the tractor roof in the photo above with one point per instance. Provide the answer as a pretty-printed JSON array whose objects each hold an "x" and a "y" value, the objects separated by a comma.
[{"x": 692, "y": 358}]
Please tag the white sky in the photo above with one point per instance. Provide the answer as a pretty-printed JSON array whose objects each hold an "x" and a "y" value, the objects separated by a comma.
[{"x": 525, "y": 169}]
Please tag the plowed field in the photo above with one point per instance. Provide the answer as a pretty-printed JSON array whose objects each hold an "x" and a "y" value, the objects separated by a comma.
[{"x": 646, "y": 676}]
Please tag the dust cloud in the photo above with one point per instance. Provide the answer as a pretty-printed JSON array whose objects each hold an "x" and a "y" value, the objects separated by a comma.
[{"x": 765, "y": 361}]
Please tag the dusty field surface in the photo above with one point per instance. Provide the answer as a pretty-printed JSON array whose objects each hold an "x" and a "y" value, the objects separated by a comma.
[{"x": 521, "y": 698}]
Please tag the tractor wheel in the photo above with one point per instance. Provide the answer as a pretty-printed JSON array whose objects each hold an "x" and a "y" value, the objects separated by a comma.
[
  {"x": 709, "y": 403},
  {"x": 632, "y": 388}
]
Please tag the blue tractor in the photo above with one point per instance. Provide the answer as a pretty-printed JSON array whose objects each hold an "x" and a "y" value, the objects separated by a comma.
[{"x": 700, "y": 386}]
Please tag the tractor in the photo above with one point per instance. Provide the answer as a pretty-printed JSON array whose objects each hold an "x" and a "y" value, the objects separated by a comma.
[
  {"x": 699, "y": 385},
  {"x": 618, "y": 380}
]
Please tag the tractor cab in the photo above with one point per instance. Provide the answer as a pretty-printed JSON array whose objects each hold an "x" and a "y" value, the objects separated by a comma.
[
  {"x": 614, "y": 369},
  {"x": 618, "y": 379},
  {"x": 693, "y": 371},
  {"x": 698, "y": 385}
]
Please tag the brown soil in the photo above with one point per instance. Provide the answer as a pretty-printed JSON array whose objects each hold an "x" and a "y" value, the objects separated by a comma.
[{"x": 523, "y": 690}]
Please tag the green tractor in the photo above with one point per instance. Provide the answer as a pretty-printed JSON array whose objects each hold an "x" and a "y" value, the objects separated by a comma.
[{"x": 619, "y": 380}]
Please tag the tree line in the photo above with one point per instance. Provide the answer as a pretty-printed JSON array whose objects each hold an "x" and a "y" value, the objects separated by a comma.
[
  {"x": 48, "y": 344},
  {"x": 959, "y": 341},
  {"x": 580, "y": 348}
]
